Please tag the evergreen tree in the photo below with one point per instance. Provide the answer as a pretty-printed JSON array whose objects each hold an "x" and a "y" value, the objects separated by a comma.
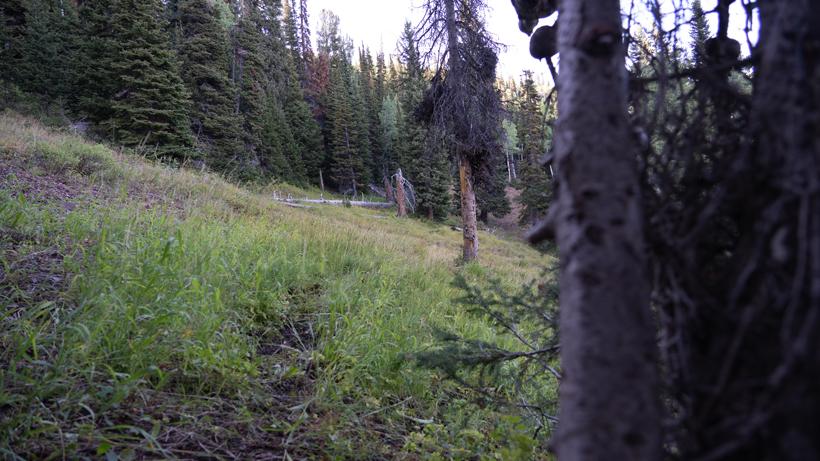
[
  {"x": 491, "y": 184},
  {"x": 425, "y": 161},
  {"x": 434, "y": 183},
  {"x": 279, "y": 153},
  {"x": 700, "y": 33},
  {"x": 291, "y": 33},
  {"x": 389, "y": 121},
  {"x": 306, "y": 133},
  {"x": 151, "y": 105},
  {"x": 47, "y": 48},
  {"x": 12, "y": 27},
  {"x": 97, "y": 81},
  {"x": 347, "y": 166},
  {"x": 372, "y": 103},
  {"x": 205, "y": 59},
  {"x": 278, "y": 150},
  {"x": 250, "y": 79},
  {"x": 536, "y": 190},
  {"x": 380, "y": 89}
]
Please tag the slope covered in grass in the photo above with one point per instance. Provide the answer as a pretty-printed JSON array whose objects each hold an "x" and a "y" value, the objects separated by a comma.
[{"x": 156, "y": 312}]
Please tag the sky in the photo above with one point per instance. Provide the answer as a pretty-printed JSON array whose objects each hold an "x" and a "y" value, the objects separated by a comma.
[{"x": 378, "y": 24}]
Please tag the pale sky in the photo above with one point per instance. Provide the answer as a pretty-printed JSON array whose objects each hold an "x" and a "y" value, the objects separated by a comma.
[{"x": 378, "y": 24}]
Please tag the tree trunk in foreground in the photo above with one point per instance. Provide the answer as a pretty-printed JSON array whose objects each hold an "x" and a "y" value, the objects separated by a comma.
[
  {"x": 609, "y": 404},
  {"x": 782, "y": 422},
  {"x": 468, "y": 209}
]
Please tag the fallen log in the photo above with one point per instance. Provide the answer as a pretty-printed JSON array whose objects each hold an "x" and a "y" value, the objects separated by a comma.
[{"x": 357, "y": 203}]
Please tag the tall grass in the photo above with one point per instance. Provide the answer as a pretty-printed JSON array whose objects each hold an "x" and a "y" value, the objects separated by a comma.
[{"x": 179, "y": 280}]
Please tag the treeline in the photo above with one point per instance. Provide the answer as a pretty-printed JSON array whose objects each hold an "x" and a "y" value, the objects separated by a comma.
[{"x": 236, "y": 85}]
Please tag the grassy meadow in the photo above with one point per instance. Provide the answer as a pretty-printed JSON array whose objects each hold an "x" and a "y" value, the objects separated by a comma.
[{"x": 156, "y": 312}]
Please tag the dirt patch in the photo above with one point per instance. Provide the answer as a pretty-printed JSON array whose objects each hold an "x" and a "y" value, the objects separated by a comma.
[
  {"x": 29, "y": 276},
  {"x": 510, "y": 222},
  {"x": 66, "y": 190}
]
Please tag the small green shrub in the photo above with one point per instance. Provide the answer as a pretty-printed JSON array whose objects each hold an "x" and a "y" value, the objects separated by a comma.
[{"x": 92, "y": 160}]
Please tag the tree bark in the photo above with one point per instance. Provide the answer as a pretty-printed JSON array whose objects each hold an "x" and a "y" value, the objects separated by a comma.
[
  {"x": 401, "y": 200},
  {"x": 609, "y": 405},
  {"x": 468, "y": 209},
  {"x": 465, "y": 169},
  {"x": 786, "y": 128}
]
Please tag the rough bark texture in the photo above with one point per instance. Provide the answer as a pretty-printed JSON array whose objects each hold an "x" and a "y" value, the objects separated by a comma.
[
  {"x": 465, "y": 170},
  {"x": 609, "y": 406},
  {"x": 780, "y": 285},
  {"x": 468, "y": 209},
  {"x": 401, "y": 200}
]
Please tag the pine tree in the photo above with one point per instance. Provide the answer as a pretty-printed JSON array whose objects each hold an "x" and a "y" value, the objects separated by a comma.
[
  {"x": 306, "y": 133},
  {"x": 279, "y": 153},
  {"x": 347, "y": 166},
  {"x": 151, "y": 105},
  {"x": 97, "y": 81},
  {"x": 278, "y": 150},
  {"x": 700, "y": 33},
  {"x": 536, "y": 193},
  {"x": 426, "y": 162},
  {"x": 389, "y": 121},
  {"x": 12, "y": 27},
  {"x": 205, "y": 59},
  {"x": 250, "y": 79},
  {"x": 291, "y": 34},
  {"x": 48, "y": 42},
  {"x": 381, "y": 78},
  {"x": 434, "y": 183},
  {"x": 490, "y": 191}
]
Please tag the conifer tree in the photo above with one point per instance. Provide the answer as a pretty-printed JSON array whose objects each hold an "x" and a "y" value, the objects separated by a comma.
[
  {"x": 205, "y": 58},
  {"x": 425, "y": 161},
  {"x": 535, "y": 184},
  {"x": 278, "y": 154},
  {"x": 278, "y": 149},
  {"x": 700, "y": 33},
  {"x": 490, "y": 188},
  {"x": 291, "y": 34},
  {"x": 380, "y": 89},
  {"x": 97, "y": 80},
  {"x": 372, "y": 105},
  {"x": 12, "y": 27},
  {"x": 151, "y": 104},
  {"x": 433, "y": 183},
  {"x": 47, "y": 48},
  {"x": 347, "y": 166},
  {"x": 390, "y": 122},
  {"x": 306, "y": 133},
  {"x": 250, "y": 79}
]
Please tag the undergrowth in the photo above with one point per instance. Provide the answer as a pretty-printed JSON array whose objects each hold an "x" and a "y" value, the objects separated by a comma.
[{"x": 168, "y": 313}]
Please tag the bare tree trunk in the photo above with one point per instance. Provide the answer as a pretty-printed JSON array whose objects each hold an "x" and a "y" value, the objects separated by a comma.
[
  {"x": 322, "y": 181},
  {"x": 786, "y": 359},
  {"x": 401, "y": 200},
  {"x": 468, "y": 209},
  {"x": 609, "y": 405},
  {"x": 465, "y": 169}
]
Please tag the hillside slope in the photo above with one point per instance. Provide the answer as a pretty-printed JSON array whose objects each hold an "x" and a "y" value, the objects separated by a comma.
[{"x": 156, "y": 312}]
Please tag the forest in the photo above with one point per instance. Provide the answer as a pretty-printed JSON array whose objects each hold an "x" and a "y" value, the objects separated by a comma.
[{"x": 229, "y": 231}]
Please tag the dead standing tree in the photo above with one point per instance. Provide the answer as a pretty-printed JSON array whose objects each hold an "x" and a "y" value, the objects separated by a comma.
[{"x": 462, "y": 106}]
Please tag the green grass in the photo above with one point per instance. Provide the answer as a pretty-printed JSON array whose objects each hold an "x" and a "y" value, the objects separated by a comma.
[{"x": 173, "y": 314}]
